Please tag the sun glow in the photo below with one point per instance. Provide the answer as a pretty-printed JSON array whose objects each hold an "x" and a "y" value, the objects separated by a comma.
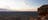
[{"x": 15, "y": 5}]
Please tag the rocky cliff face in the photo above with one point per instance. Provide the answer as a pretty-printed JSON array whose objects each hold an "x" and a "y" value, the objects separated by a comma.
[{"x": 43, "y": 10}]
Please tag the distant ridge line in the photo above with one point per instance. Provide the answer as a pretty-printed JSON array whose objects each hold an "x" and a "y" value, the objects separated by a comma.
[{"x": 18, "y": 11}]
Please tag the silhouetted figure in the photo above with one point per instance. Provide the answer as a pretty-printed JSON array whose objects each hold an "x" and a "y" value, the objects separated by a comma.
[{"x": 43, "y": 12}]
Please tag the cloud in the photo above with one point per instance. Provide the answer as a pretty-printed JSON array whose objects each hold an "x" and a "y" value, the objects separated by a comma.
[{"x": 16, "y": 5}]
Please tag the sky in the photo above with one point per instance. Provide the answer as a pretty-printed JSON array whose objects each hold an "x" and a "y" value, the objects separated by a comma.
[{"x": 22, "y": 5}]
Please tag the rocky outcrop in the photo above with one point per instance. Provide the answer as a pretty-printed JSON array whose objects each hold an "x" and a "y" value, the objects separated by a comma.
[{"x": 43, "y": 12}]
